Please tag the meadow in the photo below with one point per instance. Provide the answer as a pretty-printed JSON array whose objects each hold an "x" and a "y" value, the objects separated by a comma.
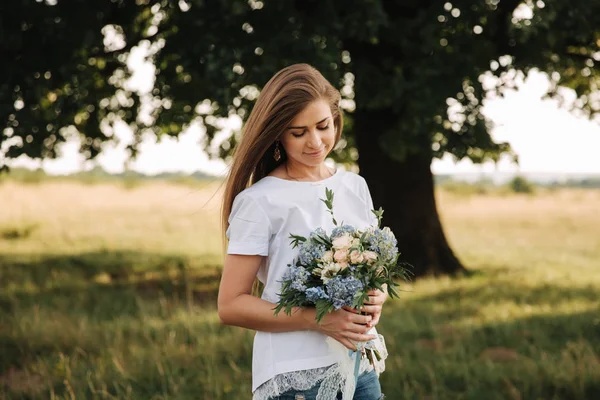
[{"x": 108, "y": 291}]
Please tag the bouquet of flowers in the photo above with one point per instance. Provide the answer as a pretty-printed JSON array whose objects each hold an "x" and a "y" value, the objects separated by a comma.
[{"x": 339, "y": 269}]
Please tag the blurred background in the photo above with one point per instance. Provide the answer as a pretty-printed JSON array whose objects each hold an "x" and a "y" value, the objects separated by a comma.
[{"x": 475, "y": 124}]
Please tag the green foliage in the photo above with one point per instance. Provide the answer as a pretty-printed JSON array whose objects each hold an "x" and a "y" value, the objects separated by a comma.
[
  {"x": 379, "y": 215},
  {"x": 520, "y": 184},
  {"x": 296, "y": 240},
  {"x": 289, "y": 301},
  {"x": 323, "y": 307},
  {"x": 322, "y": 239},
  {"x": 409, "y": 61},
  {"x": 329, "y": 203},
  {"x": 414, "y": 74}
]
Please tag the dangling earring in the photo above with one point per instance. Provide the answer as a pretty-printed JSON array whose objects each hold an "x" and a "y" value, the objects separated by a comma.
[{"x": 277, "y": 152}]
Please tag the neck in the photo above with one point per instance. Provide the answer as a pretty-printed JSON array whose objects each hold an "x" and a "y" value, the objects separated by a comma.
[{"x": 302, "y": 172}]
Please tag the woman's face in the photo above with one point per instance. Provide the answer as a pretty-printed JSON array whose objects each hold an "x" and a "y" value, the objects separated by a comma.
[{"x": 311, "y": 135}]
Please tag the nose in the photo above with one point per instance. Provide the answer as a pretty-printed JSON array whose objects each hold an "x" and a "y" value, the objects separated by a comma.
[{"x": 314, "y": 140}]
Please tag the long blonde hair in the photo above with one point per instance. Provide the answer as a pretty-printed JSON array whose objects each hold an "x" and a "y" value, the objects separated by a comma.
[{"x": 286, "y": 94}]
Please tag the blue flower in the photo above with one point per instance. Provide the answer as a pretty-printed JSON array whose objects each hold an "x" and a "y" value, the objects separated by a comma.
[
  {"x": 343, "y": 290},
  {"x": 318, "y": 231},
  {"x": 309, "y": 252},
  {"x": 297, "y": 277},
  {"x": 340, "y": 230},
  {"x": 315, "y": 293},
  {"x": 383, "y": 242}
]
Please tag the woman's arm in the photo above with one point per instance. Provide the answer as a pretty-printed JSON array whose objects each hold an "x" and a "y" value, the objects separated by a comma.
[{"x": 237, "y": 306}]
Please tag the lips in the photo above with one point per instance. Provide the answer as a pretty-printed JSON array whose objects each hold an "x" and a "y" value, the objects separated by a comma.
[{"x": 316, "y": 153}]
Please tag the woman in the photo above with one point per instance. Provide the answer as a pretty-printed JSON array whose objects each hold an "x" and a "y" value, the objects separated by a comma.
[{"x": 273, "y": 189}]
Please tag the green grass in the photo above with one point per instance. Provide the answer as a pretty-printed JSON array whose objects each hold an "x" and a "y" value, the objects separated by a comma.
[{"x": 110, "y": 293}]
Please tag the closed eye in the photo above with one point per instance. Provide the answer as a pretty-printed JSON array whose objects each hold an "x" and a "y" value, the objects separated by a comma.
[{"x": 321, "y": 128}]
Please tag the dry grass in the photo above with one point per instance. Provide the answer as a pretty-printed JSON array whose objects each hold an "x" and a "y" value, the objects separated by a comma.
[
  {"x": 71, "y": 218},
  {"x": 552, "y": 228}
]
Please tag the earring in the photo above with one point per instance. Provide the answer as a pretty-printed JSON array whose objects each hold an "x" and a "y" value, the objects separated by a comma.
[{"x": 277, "y": 152}]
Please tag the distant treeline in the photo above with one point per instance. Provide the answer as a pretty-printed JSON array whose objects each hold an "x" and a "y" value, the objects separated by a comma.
[
  {"x": 589, "y": 183},
  {"x": 523, "y": 184},
  {"x": 517, "y": 184},
  {"x": 99, "y": 175}
]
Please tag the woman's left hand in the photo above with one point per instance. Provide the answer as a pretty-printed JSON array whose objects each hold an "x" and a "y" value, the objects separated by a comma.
[{"x": 373, "y": 305}]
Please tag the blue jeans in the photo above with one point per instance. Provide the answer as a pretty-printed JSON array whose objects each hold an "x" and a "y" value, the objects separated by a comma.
[{"x": 367, "y": 388}]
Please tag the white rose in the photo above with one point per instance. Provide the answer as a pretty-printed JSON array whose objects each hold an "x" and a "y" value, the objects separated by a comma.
[
  {"x": 356, "y": 257},
  {"x": 327, "y": 256},
  {"x": 340, "y": 255},
  {"x": 343, "y": 265},
  {"x": 342, "y": 242},
  {"x": 329, "y": 270}
]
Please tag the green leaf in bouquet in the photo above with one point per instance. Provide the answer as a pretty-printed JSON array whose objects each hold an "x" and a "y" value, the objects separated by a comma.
[
  {"x": 284, "y": 300},
  {"x": 322, "y": 239},
  {"x": 329, "y": 194},
  {"x": 391, "y": 289},
  {"x": 278, "y": 308},
  {"x": 286, "y": 307},
  {"x": 329, "y": 203},
  {"x": 329, "y": 199},
  {"x": 296, "y": 240},
  {"x": 401, "y": 270},
  {"x": 370, "y": 357},
  {"x": 377, "y": 355},
  {"x": 379, "y": 215},
  {"x": 378, "y": 283},
  {"x": 359, "y": 300},
  {"x": 323, "y": 306}
]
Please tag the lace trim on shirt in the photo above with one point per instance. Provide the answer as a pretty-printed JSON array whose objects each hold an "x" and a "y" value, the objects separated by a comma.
[{"x": 330, "y": 377}]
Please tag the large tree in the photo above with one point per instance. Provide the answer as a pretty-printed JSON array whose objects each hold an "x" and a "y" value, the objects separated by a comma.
[{"x": 413, "y": 69}]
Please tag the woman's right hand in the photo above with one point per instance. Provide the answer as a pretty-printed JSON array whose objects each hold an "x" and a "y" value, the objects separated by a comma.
[{"x": 346, "y": 327}]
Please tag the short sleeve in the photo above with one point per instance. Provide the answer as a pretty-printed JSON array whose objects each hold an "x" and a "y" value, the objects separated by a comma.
[
  {"x": 369, "y": 202},
  {"x": 249, "y": 227}
]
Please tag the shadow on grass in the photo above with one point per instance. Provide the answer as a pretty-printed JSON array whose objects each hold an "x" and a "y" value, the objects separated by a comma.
[
  {"x": 540, "y": 341},
  {"x": 91, "y": 282},
  {"x": 536, "y": 356},
  {"x": 540, "y": 356},
  {"x": 123, "y": 265},
  {"x": 442, "y": 312},
  {"x": 97, "y": 290},
  {"x": 503, "y": 290}
]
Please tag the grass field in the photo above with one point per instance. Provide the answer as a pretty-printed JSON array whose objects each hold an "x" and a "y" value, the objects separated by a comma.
[{"x": 108, "y": 292}]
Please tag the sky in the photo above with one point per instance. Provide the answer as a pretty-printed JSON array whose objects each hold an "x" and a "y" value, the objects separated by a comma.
[{"x": 547, "y": 139}]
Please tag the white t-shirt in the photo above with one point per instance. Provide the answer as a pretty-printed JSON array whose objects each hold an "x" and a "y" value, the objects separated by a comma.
[{"x": 261, "y": 220}]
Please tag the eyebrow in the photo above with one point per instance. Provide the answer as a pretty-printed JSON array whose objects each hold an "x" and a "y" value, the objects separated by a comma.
[{"x": 304, "y": 127}]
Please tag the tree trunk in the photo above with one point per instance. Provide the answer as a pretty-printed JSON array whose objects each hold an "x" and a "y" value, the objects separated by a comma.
[{"x": 405, "y": 191}]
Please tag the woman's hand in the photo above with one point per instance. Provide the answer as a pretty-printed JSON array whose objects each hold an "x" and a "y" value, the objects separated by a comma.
[
  {"x": 373, "y": 306},
  {"x": 346, "y": 327}
]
